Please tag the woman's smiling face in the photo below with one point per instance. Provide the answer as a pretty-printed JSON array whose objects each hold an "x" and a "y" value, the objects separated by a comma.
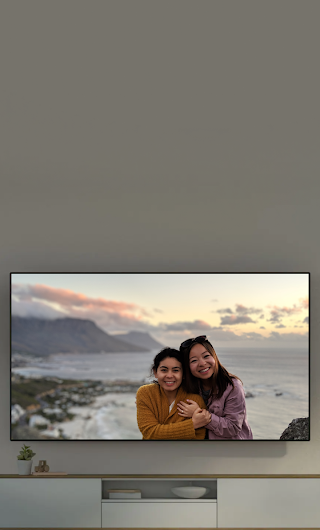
[
  {"x": 201, "y": 362},
  {"x": 169, "y": 374}
]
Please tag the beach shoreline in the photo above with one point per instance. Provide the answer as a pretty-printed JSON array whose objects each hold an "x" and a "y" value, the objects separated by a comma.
[{"x": 111, "y": 416}]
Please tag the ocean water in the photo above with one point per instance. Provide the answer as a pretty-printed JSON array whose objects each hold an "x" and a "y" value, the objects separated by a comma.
[
  {"x": 277, "y": 379},
  {"x": 99, "y": 366},
  {"x": 266, "y": 373}
]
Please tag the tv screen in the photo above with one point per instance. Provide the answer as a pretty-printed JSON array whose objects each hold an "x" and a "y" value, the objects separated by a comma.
[{"x": 160, "y": 356}]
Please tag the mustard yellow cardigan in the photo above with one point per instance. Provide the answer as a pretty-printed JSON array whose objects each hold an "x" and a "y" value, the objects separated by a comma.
[{"x": 157, "y": 423}]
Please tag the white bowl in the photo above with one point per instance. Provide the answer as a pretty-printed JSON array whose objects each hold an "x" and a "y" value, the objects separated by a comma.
[{"x": 190, "y": 492}]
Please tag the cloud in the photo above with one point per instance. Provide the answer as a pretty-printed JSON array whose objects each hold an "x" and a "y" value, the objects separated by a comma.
[
  {"x": 275, "y": 317},
  {"x": 157, "y": 310},
  {"x": 220, "y": 334},
  {"x": 261, "y": 316},
  {"x": 214, "y": 300},
  {"x": 35, "y": 310},
  {"x": 252, "y": 336},
  {"x": 304, "y": 302},
  {"x": 234, "y": 319},
  {"x": 281, "y": 326},
  {"x": 262, "y": 327},
  {"x": 198, "y": 325},
  {"x": 215, "y": 335},
  {"x": 285, "y": 311},
  {"x": 247, "y": 310},
  {"x": 274, "y": 336},
  {"x": 306, "y": 320},
  {"x": 287, "y": 337},
  {"x": 241, "y": 309},
  {"x": 227, "y": 335},
  {"x": 69, "y": 299},
  {"x": 48, "y": 302},
  {"x": 277, "y": 313}
]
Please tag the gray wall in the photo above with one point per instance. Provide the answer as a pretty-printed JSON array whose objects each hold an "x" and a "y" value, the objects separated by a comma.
[{"x": 160, "y": 136}]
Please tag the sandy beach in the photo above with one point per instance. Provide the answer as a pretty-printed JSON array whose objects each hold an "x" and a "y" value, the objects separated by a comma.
[{"x": 112, "y": 416}]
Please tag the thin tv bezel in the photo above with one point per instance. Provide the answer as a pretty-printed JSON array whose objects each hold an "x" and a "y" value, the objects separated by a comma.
[{"x": 164, "y": 273}]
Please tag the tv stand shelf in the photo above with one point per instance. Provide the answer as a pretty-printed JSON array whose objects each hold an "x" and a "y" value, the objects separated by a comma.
[
  {"x": 159, "y": 507},
  {"x": 160, "y": 488},
  {"x": 233, "y": 502}
]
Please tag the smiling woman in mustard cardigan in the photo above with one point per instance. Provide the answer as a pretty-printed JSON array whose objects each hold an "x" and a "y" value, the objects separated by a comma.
[{"x": 157, "y": 412}]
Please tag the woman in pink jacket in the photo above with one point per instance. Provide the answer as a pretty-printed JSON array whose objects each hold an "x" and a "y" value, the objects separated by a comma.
[{"x": 222, "y": 392}]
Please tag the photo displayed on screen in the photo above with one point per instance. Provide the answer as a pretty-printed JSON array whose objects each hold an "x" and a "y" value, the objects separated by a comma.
[{"x": 160, "y": 356}]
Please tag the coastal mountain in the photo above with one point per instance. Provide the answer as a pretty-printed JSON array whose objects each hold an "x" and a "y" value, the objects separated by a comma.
[
  {"x": 143, "y": 340},
  {"x": 64, "y": 335}
]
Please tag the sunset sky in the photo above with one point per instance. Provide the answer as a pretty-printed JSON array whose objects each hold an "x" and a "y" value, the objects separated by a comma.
[{"x": 265, "y": 310}]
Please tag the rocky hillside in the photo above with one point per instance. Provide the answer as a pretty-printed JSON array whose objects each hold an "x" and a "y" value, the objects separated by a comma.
[
  {"x": 143, "y": 340},
  {"x": 64, "y": 335},
  {"x": 298, "y": 429}
]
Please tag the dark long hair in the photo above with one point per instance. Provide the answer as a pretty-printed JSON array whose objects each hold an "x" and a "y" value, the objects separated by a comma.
[
  {"x": 163, "y": 354},
  {"x": 220, "y": 379}
]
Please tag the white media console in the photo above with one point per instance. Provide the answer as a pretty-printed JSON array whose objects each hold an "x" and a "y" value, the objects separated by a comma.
[{"x": 81, "y": 501}]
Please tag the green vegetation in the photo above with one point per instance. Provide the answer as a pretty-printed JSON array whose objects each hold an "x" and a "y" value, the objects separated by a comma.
[
  {"x": 25, "y": 391},
  {"x": 21, "y": 398}
]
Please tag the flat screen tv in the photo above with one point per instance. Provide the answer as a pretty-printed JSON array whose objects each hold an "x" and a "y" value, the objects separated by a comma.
[{"x": 235, "y": 344}]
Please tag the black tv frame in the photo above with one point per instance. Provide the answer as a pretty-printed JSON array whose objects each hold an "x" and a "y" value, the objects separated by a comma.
[{"x": 178, "y": 273}]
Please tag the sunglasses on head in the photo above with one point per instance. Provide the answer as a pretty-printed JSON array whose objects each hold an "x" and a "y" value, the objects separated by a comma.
[{"x": 196, "y": 340}]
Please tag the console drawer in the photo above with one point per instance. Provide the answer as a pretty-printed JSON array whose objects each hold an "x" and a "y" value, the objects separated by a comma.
[{"x": 159, "y": 514}]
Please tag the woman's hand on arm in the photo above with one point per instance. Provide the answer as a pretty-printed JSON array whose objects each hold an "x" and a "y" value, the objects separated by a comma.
[
  {"x": 187, "y": 409},
  {"x": 200, "y": 418}
]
